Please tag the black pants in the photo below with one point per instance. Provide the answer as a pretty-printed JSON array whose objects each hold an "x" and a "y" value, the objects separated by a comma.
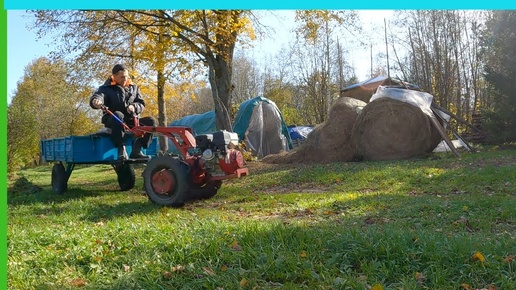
[{"x": 118, "y": 134}]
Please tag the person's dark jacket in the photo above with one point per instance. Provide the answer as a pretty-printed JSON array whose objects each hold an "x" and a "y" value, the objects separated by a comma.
[{"x": 118, "y": 98}]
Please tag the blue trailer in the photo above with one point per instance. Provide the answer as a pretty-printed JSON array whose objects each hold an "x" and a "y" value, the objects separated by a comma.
[{"x": 68, "y": 151}]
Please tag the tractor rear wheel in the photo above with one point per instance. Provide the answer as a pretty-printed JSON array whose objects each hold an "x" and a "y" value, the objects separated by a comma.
[
  {"x": 165, "y": 181},
  {"x": 59, "y": 179},
  {"x": 126, "y": 176}
]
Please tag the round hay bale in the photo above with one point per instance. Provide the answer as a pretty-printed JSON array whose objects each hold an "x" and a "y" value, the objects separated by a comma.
[
  {"x": 329, "y": 141},
  {"x": 335, "y": 141},
  {"x": 388, "y": 129}
]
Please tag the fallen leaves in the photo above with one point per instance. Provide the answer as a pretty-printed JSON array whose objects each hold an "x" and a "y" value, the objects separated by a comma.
[
  {"x": 420, "y": 278},
  {"x": 78, "y": 282},
  {"x": 178, "y": 268},
  {"x": 127, "y": 268},
  {"x": 235, "y": 246},
  {"x": 468, "y": 287},
  {"x": 478, "y": 257},
  {"x": 208, "y": 271},
  {"x": 173, "y": 269}
]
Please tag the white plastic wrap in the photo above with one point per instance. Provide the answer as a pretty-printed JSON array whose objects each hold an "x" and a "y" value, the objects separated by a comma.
[
  {"x": 418, "y": 99},
  {"x": 264, "y": 135}
]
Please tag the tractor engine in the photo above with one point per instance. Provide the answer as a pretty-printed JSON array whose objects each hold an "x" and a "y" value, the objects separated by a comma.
[{"x": 219, "y": 153}]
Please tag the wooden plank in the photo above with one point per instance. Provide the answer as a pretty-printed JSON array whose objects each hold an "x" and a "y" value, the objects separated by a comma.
[
  {"x": 435, "y": 106},
  {"x": 441, "y": 131},
  {"x": 455, "y": 133}
]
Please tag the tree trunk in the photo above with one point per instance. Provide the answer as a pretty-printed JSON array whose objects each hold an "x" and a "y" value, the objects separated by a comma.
[
  {"x": 162, "y": 110},
  {"x": 220, "y": 81}
]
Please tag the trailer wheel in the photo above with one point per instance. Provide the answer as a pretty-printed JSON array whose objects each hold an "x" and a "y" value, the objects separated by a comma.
[
  {"x": 59, "y": 179},
  {"x": 165, "y": 181},
  {"x": 205, "y": 191},
  {"x": 126, "y": 176}
]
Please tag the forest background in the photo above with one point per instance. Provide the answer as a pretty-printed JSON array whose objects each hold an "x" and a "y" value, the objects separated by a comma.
[{"x": 190, "y": 62}]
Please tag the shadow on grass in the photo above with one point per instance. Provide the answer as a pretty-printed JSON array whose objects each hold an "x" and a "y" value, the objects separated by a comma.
[
  {"x": 107, "y": 211},
  {"x": 97, "y": 212},
  {"x": 23, "y": 191}
]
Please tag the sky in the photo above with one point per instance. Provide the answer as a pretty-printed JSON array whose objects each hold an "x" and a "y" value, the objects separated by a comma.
[{"x": 23, "y": 46}]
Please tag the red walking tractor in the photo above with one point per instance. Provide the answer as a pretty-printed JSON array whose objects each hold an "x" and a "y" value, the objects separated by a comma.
[{"x": 196, "y": 172}]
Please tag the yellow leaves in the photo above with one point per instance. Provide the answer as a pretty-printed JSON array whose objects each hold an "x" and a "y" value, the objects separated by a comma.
[
  {"x": 478, "y": 257},
  {"x": 243, "y": 282},
  {"x": 303, "y": 254},
  {"x": 377, "y": 287}
]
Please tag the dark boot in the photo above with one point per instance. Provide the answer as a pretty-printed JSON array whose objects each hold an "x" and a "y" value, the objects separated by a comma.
[
  {"x": 122, "y": 154},
  {"x": 136, "y": 153}
]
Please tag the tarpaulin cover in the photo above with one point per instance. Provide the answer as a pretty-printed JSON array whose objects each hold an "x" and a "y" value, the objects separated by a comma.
[
  {"x": 299, "y": 132},
  {"x": 200, "y": 123},
  {"x": 258, "y": 121},
  {"x": 418, "y": 99}
]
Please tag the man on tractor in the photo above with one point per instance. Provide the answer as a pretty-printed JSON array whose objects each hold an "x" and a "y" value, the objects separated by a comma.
[{"x": 125, "y": 101}]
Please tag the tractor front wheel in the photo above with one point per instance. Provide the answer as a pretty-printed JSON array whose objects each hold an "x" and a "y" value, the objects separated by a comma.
[
  {"x": 165, "y": 181},
  {"x": 205, "y": 191}
]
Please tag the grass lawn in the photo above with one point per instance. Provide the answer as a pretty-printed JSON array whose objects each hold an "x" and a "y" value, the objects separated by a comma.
[{"x": 437, "y": 223}]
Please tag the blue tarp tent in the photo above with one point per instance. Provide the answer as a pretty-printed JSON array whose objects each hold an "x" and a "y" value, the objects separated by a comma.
[{"x": 258, "y": 121}]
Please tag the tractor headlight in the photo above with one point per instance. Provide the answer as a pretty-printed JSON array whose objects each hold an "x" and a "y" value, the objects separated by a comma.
[{"x": 208, "y": 154}]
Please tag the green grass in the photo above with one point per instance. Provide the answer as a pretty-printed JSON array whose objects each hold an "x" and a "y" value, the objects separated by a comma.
[{"x": 403, "y": 225}]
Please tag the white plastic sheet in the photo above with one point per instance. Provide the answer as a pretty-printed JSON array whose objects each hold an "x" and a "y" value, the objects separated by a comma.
[{"x": 418, "y": 99}]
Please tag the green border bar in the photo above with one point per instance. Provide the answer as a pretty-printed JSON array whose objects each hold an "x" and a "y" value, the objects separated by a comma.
[{"x": 3, "y": 146}]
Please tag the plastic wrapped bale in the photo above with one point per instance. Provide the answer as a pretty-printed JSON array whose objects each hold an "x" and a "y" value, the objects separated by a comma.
[
  {"x": 390, "y": 129},
  {"x": 329, "y": 141}
]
